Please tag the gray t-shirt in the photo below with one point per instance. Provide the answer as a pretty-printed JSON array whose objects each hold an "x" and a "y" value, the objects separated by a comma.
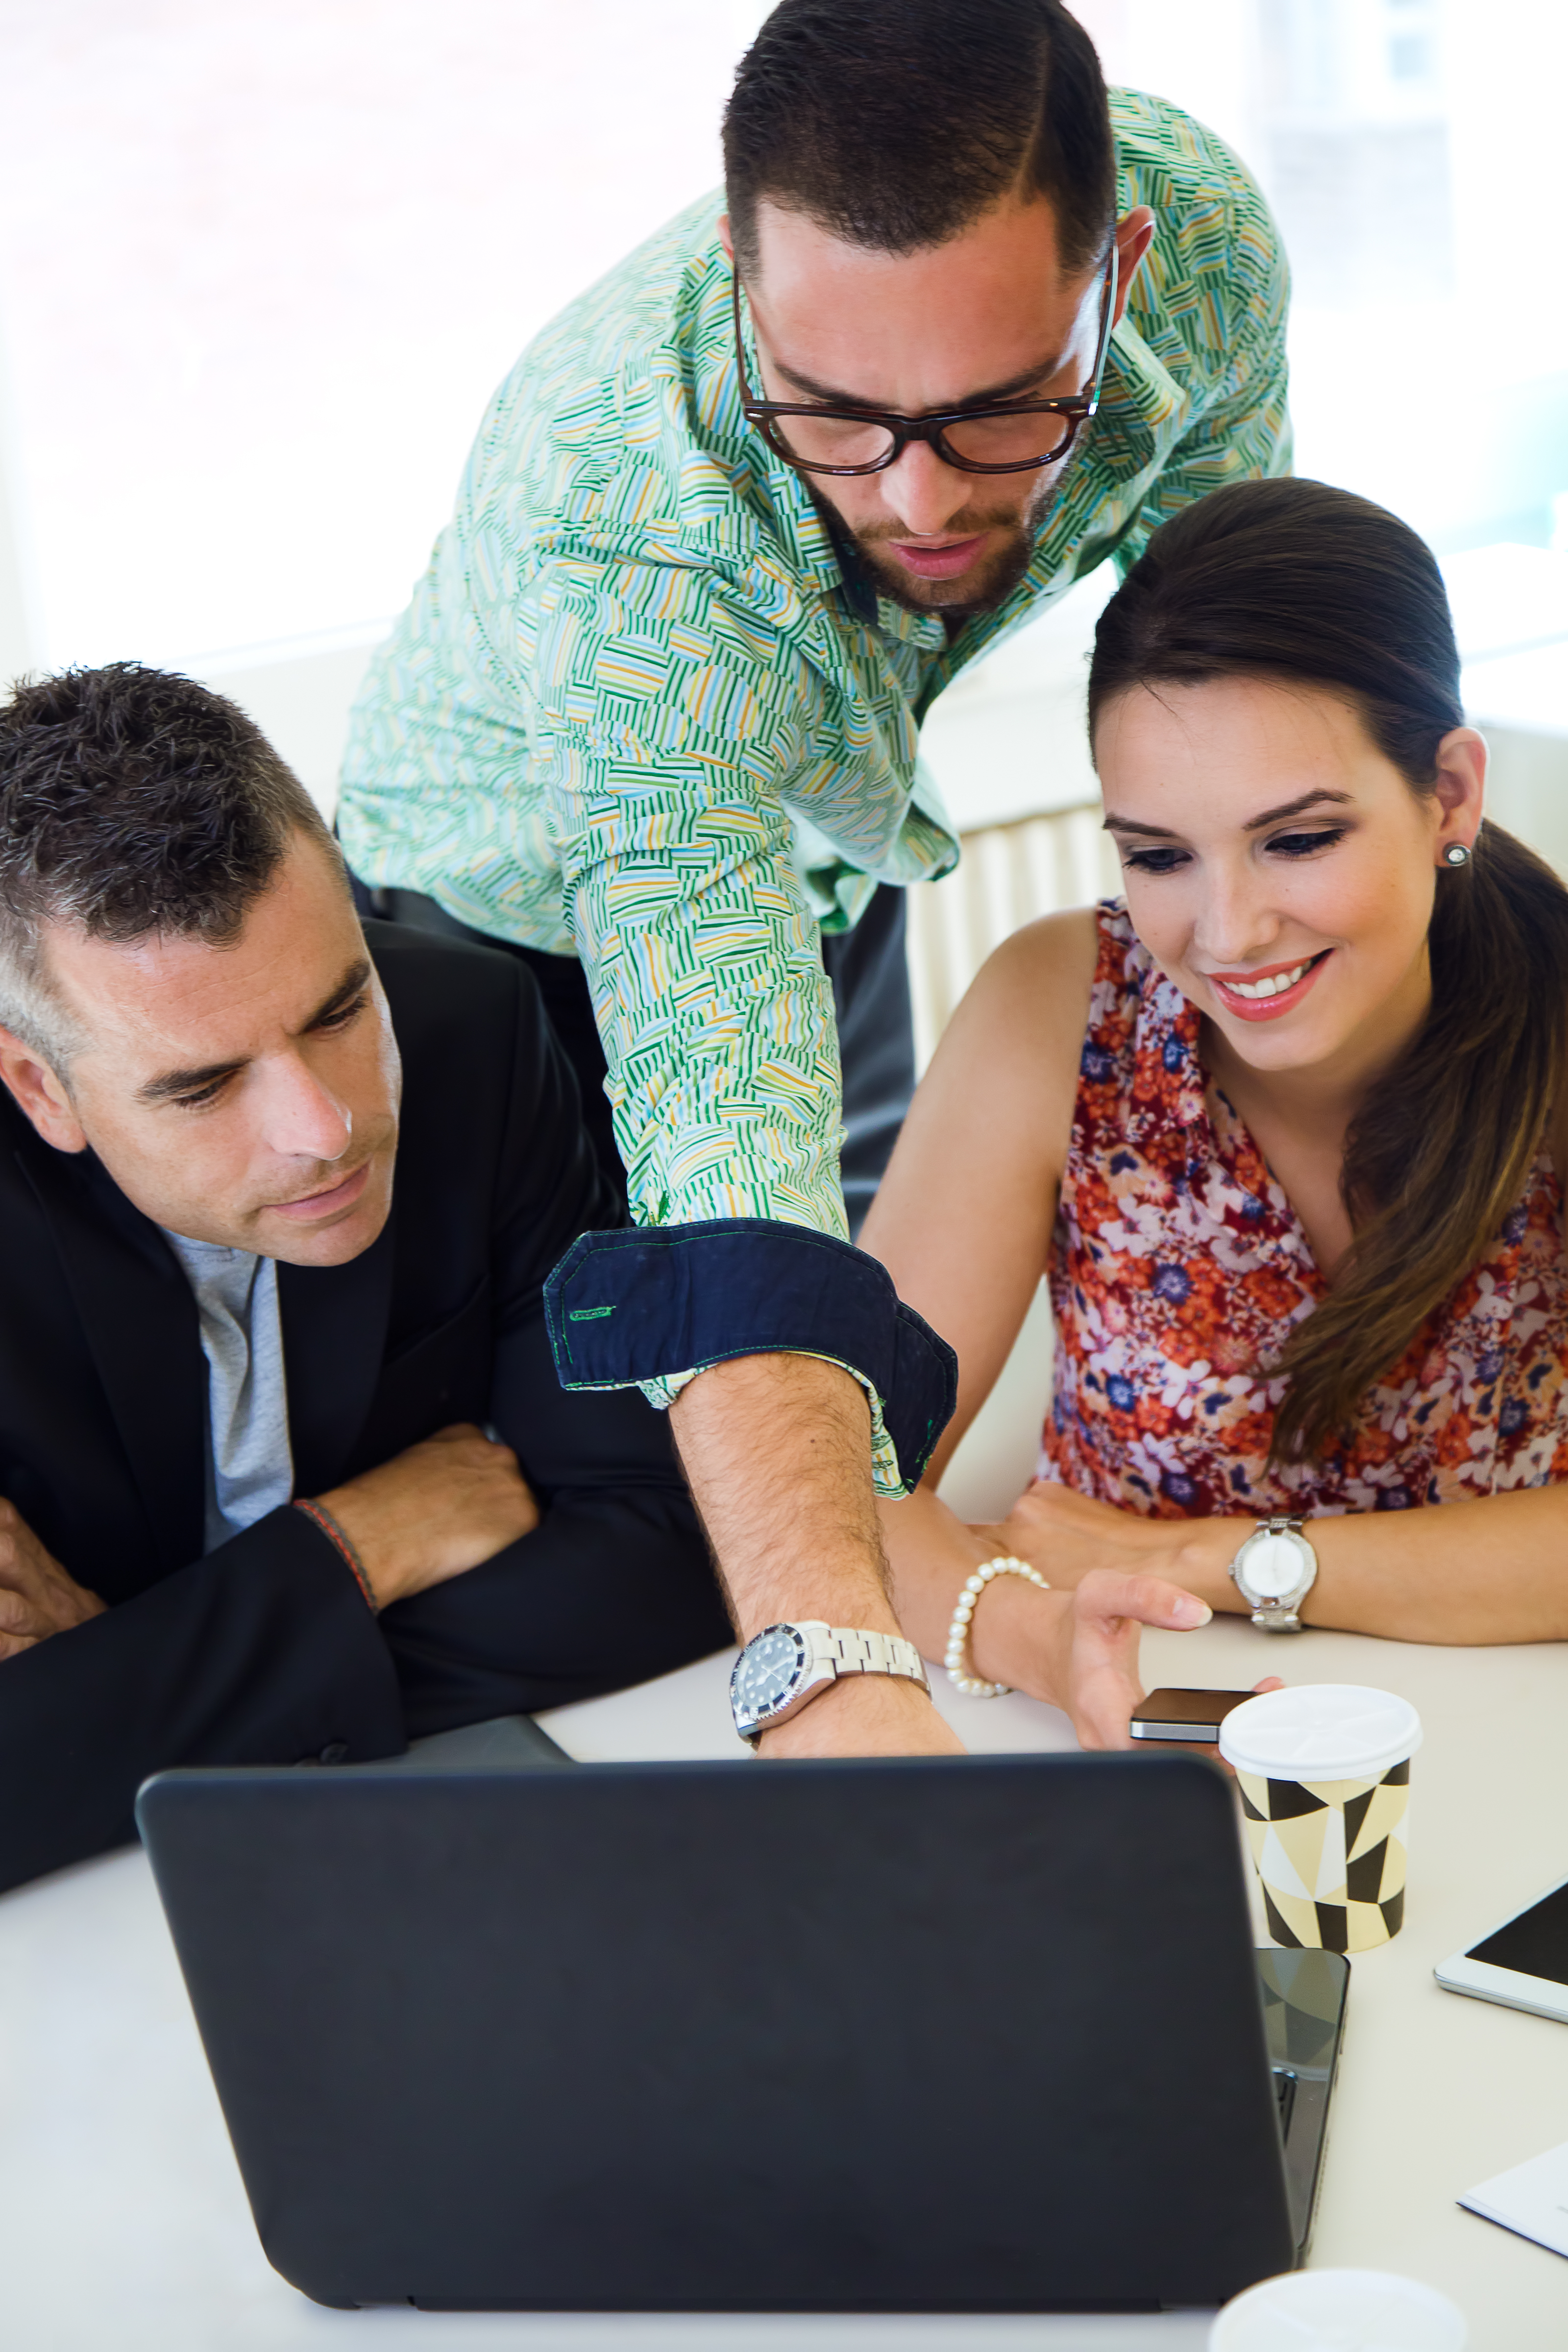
[{"x": 250, "y": 1469}]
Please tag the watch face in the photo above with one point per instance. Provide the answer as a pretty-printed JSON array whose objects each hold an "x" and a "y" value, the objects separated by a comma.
[
  {"x": 1273, "y": 1565},
  {"x": 767, "y": 1670}
]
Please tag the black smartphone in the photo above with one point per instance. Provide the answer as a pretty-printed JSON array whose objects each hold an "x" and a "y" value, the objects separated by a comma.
[{"x": 1192, "y": 1715}]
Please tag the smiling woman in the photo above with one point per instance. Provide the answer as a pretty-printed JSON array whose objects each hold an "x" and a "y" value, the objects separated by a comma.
[
  {"x": 1397, "y": 998},
  {"x": 1284, "y": 1128}
]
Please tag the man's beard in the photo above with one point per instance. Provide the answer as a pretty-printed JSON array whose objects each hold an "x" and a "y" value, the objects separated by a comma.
[{"x": 983, "y": 588}]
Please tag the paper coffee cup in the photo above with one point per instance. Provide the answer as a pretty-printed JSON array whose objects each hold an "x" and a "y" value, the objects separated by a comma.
[
  {"x": 1324, "y": 1773},
  {"x": 1373, "y": 2310}
]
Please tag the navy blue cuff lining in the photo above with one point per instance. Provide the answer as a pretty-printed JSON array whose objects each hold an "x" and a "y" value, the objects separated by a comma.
[{"x": 655, "y": 1302}]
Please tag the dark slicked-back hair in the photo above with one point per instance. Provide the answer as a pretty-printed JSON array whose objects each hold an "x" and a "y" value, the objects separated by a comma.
[
  {"x": 133, "y": 803},
  {"x": 896, "y": 123}
]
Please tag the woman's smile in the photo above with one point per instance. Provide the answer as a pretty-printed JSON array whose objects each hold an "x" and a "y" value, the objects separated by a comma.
[{"x": 1269, "y": 992}]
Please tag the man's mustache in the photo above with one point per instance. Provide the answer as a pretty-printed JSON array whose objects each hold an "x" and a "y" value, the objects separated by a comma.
[{"x": 962, "y": 526}]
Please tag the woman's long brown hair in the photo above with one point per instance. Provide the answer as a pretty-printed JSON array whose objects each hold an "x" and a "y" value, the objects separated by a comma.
[{"x": 1296, "y": 580}]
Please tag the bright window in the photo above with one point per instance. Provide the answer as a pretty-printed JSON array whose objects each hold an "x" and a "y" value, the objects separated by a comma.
[
  {"x": 261, "y": 267},
  {"x": 1411, "y": 166}
]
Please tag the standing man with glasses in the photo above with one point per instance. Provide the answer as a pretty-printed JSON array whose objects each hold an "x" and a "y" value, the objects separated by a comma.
[{"x": 958, "y": 329}]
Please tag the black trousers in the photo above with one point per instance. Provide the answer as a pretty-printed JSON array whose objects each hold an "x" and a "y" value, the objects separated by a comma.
[{"x": 870, "y": 984}]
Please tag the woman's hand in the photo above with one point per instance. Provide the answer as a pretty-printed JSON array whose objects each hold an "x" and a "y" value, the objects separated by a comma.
[
  {"x": 1078, "y": 1650},
  {"x": 1068, "y": 1536},
  {"x": 1075, "y": 1648},
  {"x": 1085, "y": 1647}
]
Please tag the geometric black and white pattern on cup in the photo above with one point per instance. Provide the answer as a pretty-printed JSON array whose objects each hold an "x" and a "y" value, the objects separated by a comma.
[{"x": 1331, "y": 1857}]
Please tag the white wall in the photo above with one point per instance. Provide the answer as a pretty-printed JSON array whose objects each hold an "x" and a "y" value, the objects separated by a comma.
[
  {"x": 262, "y": 268},
  {"x": 300, "y": 696},
  {"x": 17, "y": 635}
]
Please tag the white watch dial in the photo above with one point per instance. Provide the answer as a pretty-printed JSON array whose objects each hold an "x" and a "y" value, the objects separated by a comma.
[{"x": 1273, "y": 1566}]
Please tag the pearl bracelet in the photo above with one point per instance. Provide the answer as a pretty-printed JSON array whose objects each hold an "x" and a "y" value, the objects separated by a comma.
[{"x": 958, "y": 1631}]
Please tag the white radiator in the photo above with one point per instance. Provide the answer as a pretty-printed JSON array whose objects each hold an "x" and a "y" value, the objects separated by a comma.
[{"x": 1008, "y": 875}]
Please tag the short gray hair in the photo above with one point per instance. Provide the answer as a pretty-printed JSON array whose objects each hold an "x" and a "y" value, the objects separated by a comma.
[{"x": 133, "y": 802}]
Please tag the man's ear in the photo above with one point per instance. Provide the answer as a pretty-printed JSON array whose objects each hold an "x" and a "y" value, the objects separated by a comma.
[
  {"x": 725, "y": 239},
  {"x": 1135, "y": 235},
  {"x": 40, "y": 1094}
]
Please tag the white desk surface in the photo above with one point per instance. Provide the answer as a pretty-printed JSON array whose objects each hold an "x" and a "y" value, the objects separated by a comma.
[{"x": 123, "y": 2227}]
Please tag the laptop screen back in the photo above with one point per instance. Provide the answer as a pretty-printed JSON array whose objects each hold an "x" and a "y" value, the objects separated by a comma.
[{"x": 981, "y": 2035}]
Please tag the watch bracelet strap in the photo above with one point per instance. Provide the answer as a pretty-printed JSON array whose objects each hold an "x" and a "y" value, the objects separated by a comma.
[
  {"x": 1274, "y": 1617},
  {"x": 853, "y": 1652},
  {"x": 837, "y": 1650}
]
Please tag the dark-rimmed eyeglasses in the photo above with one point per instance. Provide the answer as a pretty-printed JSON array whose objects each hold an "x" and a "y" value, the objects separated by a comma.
[{"x": 1005, "y": 437}]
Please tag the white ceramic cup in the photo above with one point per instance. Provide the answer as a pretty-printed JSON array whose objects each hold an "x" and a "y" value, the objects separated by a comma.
[
  {"x": 1324, "y": 1773},
  {"x": 1349, "y": 2311}
]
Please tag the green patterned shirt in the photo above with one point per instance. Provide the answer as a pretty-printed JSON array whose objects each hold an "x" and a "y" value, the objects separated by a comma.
[{"x": 637, "y": 713}]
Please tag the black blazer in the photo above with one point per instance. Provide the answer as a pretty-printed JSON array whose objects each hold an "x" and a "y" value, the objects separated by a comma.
[{"x": 265, "y": 1651}]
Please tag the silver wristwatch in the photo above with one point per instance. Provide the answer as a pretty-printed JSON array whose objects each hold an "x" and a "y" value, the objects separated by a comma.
[
  {"x": 784, "y": 1667},
  {"x": 1274, "y": 1572}
]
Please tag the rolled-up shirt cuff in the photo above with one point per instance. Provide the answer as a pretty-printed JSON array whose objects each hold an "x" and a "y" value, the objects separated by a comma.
[{"x": 651, "y": 1308}]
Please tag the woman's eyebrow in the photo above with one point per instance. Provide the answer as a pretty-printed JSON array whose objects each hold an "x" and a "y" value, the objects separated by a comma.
[
  {"x": 1114, "y": 823},
  {"x": 1297, "y": 807}
]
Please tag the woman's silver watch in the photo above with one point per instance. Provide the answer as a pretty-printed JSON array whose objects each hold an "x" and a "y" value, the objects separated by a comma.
[{"x": 1274, "y": 1572}]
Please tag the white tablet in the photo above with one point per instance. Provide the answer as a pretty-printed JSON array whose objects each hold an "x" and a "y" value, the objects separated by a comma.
[{"x": 1523, "y": 1964}]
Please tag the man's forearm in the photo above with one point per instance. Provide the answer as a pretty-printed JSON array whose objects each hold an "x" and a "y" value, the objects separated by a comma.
[
  {"x": 776, "y": 1450},
  {"x": 263, "y": 1652}
]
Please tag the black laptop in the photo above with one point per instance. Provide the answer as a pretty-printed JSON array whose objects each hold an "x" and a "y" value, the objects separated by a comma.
[{"x": 981, "y": 2035}]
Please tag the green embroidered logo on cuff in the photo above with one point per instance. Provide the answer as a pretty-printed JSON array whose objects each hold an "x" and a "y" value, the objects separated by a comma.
[{"x": 587, "y": 1314}]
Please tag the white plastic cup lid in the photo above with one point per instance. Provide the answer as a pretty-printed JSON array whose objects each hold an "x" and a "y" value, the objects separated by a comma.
[
  {"x": 1320, "y": 1731},
  {"x": 1349, "y": 2311}
]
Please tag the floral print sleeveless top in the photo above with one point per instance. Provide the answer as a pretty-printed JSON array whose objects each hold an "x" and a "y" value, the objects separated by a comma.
[{"x": 1178, "y": 1268}]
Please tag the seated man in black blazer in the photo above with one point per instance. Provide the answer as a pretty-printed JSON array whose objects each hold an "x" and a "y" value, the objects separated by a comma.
[{"x": 278, "y": 1196}]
